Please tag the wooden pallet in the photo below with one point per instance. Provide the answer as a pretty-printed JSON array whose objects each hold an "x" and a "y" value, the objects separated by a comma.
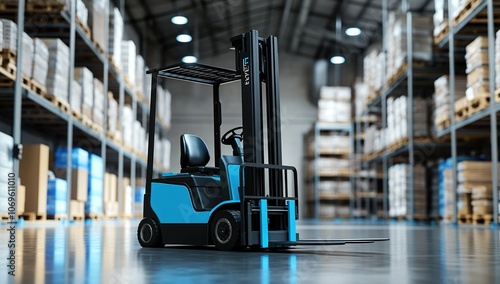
[
  {"x": 113, "y": 64},
  {"x": 401, "y": 70},
  {"x": 76, "y": 217},
  {"x": 468, "y": 8},
  {"x": 139, "y": 95},
  {"x": 97, "y": 127},
  {"x": 482, "y": 219},
  {"x": 76, "y": 114},
  {"x": 464, "y": 218},
  {"x": 84, "y": 27},
  {"x": 127, "y": 82},
  {"x": 86, "y": 121},
  {"x": 93, "y": 216},
  {"x": 4, "y": 217},
  {"x": 461, "y": 111},
  {"x": 98, "y": 47},
  {"x": 478, "y": 104},
  {"x": 32, "y": 216},
  {"x": 497, "y": 95},
  {"x": 38, "y": 88},
  {"x": 45, "y": 7},
  {"x": 57, "y": 217},
  {"x": 443, "y": 124},
  {"x": 442, "y": 33},
  {"x": 8, "y": 7},
  {"x": 62, "y": 105}
]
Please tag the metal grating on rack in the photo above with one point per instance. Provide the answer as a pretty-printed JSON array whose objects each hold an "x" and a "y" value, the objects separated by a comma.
[{"x": 199, "y": 73}]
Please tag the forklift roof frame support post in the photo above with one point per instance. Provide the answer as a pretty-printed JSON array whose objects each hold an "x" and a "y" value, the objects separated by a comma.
[
  {"x": 151, "y": 133},
  {"x": 217, "y": 124}
]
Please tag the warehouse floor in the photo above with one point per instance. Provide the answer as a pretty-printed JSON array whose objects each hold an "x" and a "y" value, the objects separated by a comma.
[{"x": 108, "y": 252}]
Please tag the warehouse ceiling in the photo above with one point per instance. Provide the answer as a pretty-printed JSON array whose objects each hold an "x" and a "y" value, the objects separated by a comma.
[{"x": 304, "y": 27}]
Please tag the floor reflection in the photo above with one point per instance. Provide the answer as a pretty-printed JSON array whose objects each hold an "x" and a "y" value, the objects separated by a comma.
[{"x": 107, "y": 252}]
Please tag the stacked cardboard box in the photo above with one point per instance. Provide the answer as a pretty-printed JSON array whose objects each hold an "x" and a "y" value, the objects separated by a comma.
[
  {"x": 27, "y": 60},
  {"x": 397, "y": 40},
  {"x": 377, "y": 139},
  {"x": 75, "y": 100},
  {"x": 373, "y": 65},
  {"x": 441, "y": 97},
  {"x": 85, "y": 78},
  {"x": 332, "y": 188},
  {"x": 96, "y": 19},
  {"x": 9, "y": 35},
  {"x": 125, "y": 201},
  {"x": 33, "y": 171},
  {"x": 127, "y": 119},
  {"x": 110, "y": 195},
  {"x": 115, "y": 36},
  {"x": 40, "y": 62},
  {"x": 397, "y": 119},
  {"x": 334, "y": 105},
  {"x": 57, "y": 76},
  {"x": 99, "y": 103},
  {"x": 139, "y": 201},
  {"x": 6, "y": 168},
  {"x": 440, "y": 17},
  {"x": 399, "y": 190},
  {"x": 79, "y": 177},
  {"x": 128, "y": 61},
  {"x": 475, "y": 179},
  {"x": 477, "y": 70},
  {"x": 139, "y": 76},
  {"x": 163, "y": 109},
  {"x": 57, "y": 196},
  {"x": 95, "y": 200},
  {"x": 113, "y": 116},
  {"x": 333, "y": 143}
]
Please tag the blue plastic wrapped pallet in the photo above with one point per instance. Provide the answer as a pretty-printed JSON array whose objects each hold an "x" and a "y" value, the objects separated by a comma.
[
  {"x": 79, "y": 158},
  {"x": 96, "y": 166},
  {"x": 57, "y": 190},
  {"x": 94, "y": 203}
]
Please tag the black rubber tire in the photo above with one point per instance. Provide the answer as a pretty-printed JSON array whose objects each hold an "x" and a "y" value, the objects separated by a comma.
[
  {"x": 149, "y": 234},
  {"x": 225, "y": 229}
]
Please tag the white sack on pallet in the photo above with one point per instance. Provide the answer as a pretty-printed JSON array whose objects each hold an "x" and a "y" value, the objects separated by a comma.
[
  {"x": 139, "y": 75},
  {"x": 115, "y": 35},
  {"x": 112, "y": 114},
  {"x": 57, "y": 76},
  {"x": 86, "y": 80},
  {"x": 76, "y": 96},
  {"x": 128, "y": 60},
  {"x": 40, "y": 62},
  {"x": 9, "y": 37},
  {"x": 27, "y": 60},
  {"x": 96, "y": 19}
]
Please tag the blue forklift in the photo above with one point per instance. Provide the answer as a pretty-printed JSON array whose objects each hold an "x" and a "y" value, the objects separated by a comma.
[{"x": 245, "y": 201}]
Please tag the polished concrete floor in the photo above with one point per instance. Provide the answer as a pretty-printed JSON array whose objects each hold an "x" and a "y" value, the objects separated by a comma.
[{"x": 108, "y": 252}]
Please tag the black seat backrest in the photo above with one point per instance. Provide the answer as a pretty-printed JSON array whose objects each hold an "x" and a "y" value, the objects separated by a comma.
[{"x": 194, "y": 151}]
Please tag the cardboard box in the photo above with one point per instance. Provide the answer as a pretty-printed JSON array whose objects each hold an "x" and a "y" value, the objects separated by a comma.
[
  {"x": 21, "y": 199},
  {"x": 33, "y": 170},
  {"x": 79, "y": 183},
  {"x": 110, "y": 187}
]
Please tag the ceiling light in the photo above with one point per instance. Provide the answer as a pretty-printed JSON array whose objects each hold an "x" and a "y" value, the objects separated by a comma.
[
  {"x": 337, "y": 59},
  {"x": 184, "y": 38},
  {"x": 189, "y": 59},
  {"x": 353, "y": 31},
  {"x": 179, "y": 20}
]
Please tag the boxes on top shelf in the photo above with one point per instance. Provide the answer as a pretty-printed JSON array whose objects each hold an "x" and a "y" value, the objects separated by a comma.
[
  {"x": 139, "y": 77},
  {"x": 27, "y": 60},
  {"x": 96, "y": 19},
  {"x": 9, "y": 36},
  {"x": 85, "y": 78},
  {"x": 128, "y": 62},
  {"x": 40, "y": 62},
  {"x": 57, "y": 76},
  {"x": 334, "y": 105},
  {"x": 115, "y": 36}
]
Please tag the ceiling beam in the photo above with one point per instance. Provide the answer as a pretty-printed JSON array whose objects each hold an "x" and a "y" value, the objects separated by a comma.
[
  {"x": 304, "y": 12},
  {"x": 333, "y": 16}
]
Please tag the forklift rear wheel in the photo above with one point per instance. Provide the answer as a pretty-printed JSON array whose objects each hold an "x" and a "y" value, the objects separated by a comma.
[
  {"x": 225, "y": 229},
  {"x": 149, "y": 234}
]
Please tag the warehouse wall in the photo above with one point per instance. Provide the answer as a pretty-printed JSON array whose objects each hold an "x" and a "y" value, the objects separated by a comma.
[{"x": 192, "y": 109}]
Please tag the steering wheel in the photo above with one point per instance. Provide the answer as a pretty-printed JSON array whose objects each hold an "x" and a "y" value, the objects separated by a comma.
[{"x": 232, "y": 134}]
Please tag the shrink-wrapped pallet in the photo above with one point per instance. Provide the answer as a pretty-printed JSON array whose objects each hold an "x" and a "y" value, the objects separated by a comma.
[
  {"x": 75, "y": 101},
  {"x": 85, "y": 78},
  {"x": 115, "y": 36},
  {"x": 99, "y": 103},
  {"x": 113, "y": 115},
  {"x": 9, "y": 35},
  {"x": 40, "y": 62},
  {"x": 27, "y": 60},
  {"x": 57, "y": 76},
  {"x": 334, "y": 105},
  {"x": 441, "y": 98},
  {"x": 128, "y": 61},
  {"x": 96, "y": 20},
  {"x": 139, "y": 76}
]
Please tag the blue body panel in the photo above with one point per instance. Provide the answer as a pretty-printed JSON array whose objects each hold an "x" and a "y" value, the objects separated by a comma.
[
  {"x": 264, "y": 230},
  {"x": 173, "y": 205},
  {"x": 233, "y": 172}
]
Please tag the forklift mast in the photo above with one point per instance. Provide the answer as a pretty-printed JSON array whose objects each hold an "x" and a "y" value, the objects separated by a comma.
[{"x": 257, "y": 62}]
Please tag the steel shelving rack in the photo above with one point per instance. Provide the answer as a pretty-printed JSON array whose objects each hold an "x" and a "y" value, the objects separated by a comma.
[
  {"x": 61, "y": 123},
  {"x": 456, "y": 39},
  {"x": 317, "y": 176}
]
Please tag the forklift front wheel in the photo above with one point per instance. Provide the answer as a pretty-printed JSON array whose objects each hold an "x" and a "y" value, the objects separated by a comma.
[
  {"x": 148, "y": 233},
  {"x": 225, "y": 229}
]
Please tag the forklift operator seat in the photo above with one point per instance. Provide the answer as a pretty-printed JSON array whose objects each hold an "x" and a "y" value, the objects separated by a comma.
[{"x": 195, "y": 156}]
